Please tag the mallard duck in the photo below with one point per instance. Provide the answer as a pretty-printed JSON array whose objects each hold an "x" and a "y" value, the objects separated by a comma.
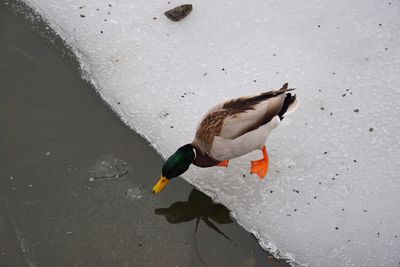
[{"x": 230, "y": 130}]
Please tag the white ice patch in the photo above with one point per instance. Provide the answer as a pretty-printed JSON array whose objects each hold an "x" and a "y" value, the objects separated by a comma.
[
  {"x": 108, "y": 167},
  {"x": 332, "y": 196},
  {"x": 134, "y": 193}
]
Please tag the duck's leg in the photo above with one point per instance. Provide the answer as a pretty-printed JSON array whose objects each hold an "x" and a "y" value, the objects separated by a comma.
[
  {"x": 224, "y": 163},
  {"x": 260, "y": 167}
]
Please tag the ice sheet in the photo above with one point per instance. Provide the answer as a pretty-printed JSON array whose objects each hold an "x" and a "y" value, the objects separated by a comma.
[{"x": 332, "y": 197}]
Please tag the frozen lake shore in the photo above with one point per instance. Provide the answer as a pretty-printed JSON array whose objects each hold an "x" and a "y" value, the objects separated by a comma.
[{"x": 332, "y": 196}]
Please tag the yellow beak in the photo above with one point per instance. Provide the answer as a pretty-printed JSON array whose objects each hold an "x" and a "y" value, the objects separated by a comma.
[{"x": 160, "y": 185}]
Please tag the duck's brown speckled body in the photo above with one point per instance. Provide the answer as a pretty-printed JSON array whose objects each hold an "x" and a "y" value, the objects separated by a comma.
[{"x": 239, "y": 126}]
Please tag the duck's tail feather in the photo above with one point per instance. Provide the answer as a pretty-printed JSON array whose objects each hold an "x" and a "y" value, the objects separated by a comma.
[
  {"x": 290, "y": 104},
  {"x": 281, "y": 90}
]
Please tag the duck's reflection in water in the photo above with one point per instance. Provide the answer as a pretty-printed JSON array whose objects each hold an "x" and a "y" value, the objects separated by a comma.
[{"x": 200, "y": 207}]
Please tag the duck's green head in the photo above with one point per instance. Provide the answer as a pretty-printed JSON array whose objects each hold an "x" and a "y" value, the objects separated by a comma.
[{"x": 175, "y": 165}]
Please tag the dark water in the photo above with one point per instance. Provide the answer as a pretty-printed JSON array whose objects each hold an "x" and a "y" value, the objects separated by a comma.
[{"x": 75, "y": 182}]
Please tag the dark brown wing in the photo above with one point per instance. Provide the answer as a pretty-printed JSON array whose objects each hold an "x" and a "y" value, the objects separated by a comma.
[
  {"x": 252, "y": 112},
  {"x": 243, "y": 104}
]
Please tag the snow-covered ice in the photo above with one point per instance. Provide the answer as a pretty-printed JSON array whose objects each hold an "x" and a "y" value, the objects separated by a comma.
[{"x": 332, "y": 197}]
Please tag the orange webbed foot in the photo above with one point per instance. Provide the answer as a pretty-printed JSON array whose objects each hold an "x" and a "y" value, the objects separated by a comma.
[
  {"x": 260, "y": 167},
  {"x": 224, "y": 163}
]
